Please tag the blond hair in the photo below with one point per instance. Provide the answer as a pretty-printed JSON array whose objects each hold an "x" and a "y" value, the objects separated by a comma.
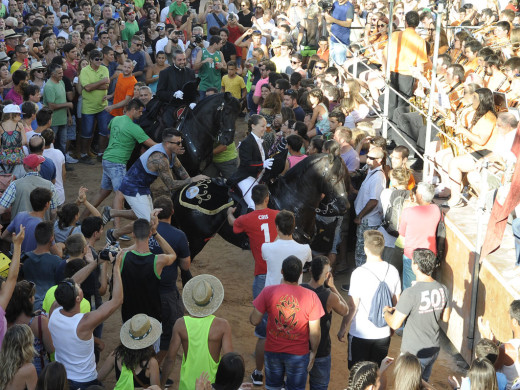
[{"x": 17, "y": 350}]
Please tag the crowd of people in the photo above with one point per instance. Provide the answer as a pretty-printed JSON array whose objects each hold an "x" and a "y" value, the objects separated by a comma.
[{"x": 80, "y": 82}]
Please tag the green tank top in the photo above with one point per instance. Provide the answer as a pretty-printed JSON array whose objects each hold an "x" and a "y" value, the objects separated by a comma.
[
  {"x": 199, "y": 358},
  {"x": 210, "y": 77}
]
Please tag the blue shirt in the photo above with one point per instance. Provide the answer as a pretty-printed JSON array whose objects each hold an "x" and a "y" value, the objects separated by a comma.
[
  {"x": 341, "y": 12},
  {"x": 179, "y": 243},
  {"x": 48, "y": 170},
  {"x": 140, "y": 60},
  {"x": 30, "y": 222}
]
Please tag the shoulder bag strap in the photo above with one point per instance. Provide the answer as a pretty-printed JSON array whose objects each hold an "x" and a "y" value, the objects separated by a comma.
[
  {"x": 40, "y": 336},
  {"x": 218, "y": 20}
]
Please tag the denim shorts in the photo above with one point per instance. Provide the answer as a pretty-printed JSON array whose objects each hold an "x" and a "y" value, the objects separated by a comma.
[
  {"x": 279, "y": 365},
  {"x": 113, "y": 174},
  {"x": 258, "y": 286},
  {"x": 319, "y": 376},
  {"x": 87, "y": 124}
]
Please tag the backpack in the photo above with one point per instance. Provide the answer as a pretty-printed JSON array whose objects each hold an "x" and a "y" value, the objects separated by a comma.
[
  {"x": 382, "y": 297},
  {"x": 393, "y": 212}
]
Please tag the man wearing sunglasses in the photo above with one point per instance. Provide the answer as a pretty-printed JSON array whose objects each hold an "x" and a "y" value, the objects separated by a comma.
[
  {"x": 131, "y": 27},
  {"x": 158, "y": 161},
  {"x": 367, "y": 204}
]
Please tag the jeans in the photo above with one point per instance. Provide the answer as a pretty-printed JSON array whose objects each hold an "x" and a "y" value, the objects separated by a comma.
[
  {"x": 87, "y": 124},
  {"x": 251, "y": 106},
  {"x": 278, "y": 365},
  {"x": 60, "y": 138},
  {"x": 258, "y": 286},
  {"x": 427, "y": 365},
  {"x": 408, "y": 275},
  {"x": 338, "y": 52},
  {"x": 73, "y": 385},
  {"x": 113, "y": 174},
  {"x": 319, "y": 376},
  {"x": 516, "y": 233}
]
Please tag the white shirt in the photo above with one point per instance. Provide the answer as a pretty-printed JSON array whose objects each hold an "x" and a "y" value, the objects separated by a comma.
[
  {"x": 160, "y": 44},
  {"x": 364, "y": 282},
  {"x": 58, "y": 159},
  {"x": 371, "y": 188},
  {"x": 274, "y": 253},
  {"x": 260, "y": 143},
  {"x": 385, "y": 203},
  {"x": 164, "y": 14}
]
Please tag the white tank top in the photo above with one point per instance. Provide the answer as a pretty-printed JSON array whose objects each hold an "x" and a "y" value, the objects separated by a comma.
[
  {"x": 513, "y": 371},
  {"x": 75, "y": 354}
]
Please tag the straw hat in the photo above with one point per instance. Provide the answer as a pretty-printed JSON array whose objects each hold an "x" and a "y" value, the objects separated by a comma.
[
  {"x": 202, "y": 295},
  {"x": 3, "y": 57},
  {"x": 140, "y": 332},
  {"x": 11, "y": 34},
  {"x": 37, "y": 65}
]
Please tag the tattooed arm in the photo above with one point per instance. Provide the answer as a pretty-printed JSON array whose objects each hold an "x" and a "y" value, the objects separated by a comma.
[
  {"x": 158, "y": 162},
  {"x": 179, "y": 170}
]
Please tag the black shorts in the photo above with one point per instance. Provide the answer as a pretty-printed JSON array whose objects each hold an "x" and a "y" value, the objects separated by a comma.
[
  {"x": 172, "y": 309},
  {"x": 371, "y": 350}
]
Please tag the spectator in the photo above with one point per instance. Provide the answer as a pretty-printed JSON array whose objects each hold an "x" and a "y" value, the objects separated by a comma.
[
  {"x": 365, "y": 375},
  {"x": 322, "y": 283},
  {"x": 229, "y": 375},
  {"x": 423, "y": 306},
  {"x": 136, "y": 53},
  {"x": 260, "y": 226},
  {"x": 290, "y": 100},
  {"x": 507, "y": 362},
  {"x": 294, "y": 145},
  {"x": 131, "y": 27},
  {"x": 7, "y": 285},
  {"x": 141, "y": 272},
  {"x": 276, "y": 252},
  {"x": 340, "y": 20},
  {"x": 12, "y": 138},
  {"x": 53, "y": 376},
  {"x": 17, "y": 353},
  {"x": 124, "y": 91},
  {"x": 95, "y": 81},
  {"x": 418, "y": 228},
  {"x": 47, "y": 167},
  {"x": 40, "y": 199},
  {"x": 171, "y": 303},
  {"x": 209, "y": 62},
  {"x": 57, "y": 157},
  {"x": 41, "y": 266},
  {"x": 343, "y": 136},
  {"x": 293, "y": 327},
  {"x": 399, "y": 159},
  {"x": 72, "y": 330},
  {"x": 20, "y": 311},
  {"x": 202, "y": 296},
  {"x": 366, "y": 341},
  {"x": 481, "y": 373},
  {"x": 17, "y": 195},
  {"x": 407, "y": 374},
  {"x": 367, "y": 204},
  {"x": 54, "y": 96}
]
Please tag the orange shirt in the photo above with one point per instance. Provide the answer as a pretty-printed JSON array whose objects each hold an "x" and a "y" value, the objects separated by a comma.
[
  {"x": 124, "y": 88},
  {"x": 470, "y": 67},
  {"x": 485, "y": 127},
  {"x": 324, "y": 55},
  {"x": 407, "y": 49}
]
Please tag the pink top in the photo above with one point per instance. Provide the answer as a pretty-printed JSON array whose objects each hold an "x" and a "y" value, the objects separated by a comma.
[
  {"x": 418, "y": 226},
  {"x": 293, "y": 160}
]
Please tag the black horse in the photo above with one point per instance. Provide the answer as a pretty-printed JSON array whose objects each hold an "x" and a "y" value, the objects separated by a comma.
[
  {"x": 300, "y": 190},
  {"x": 211, "y": 121}
]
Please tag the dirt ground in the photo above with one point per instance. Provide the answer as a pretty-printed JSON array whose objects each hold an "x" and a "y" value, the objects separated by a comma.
[{"x": 234, "y": 267}]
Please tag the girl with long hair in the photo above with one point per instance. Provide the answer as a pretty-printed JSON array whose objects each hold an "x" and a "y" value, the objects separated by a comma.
[
  {"x": 16, "y": 355},
  {"x": 353, "y": 105},
  {"x": 229, "y": 375},
  {"x": 481, "y": 376},
  {"x": 319, "y": 123},
  {"x": 20, "y": 311},
  {"x": 12, "y": 140},
  {"x": 53, "y": 377},
  {"x": 480, "y": 136},
  {"x": 408, "y": 372}
]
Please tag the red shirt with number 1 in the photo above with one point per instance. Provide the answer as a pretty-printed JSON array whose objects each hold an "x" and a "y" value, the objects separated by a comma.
[{"x": 260, "y": 228}]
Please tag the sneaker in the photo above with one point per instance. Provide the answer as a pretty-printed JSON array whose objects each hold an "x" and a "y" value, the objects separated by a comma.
[
  {"x": 344, "y": 287},
  {"x": 257, "y": 377},
  {"x": 111, "y": 240},
  {"x": 86, "y": 160},
  {"x": 70, "y": 160},
  {"x": 124, "y": 237},
  {"x": 106, "y": 215}
]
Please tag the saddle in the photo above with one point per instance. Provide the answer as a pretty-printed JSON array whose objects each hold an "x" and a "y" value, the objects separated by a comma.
[{"x": 208, "y": 196}]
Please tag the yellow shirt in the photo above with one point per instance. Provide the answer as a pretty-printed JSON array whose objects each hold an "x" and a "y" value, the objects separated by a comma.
[
  {"x": 485, "y": 127},
  {"x": 15, "y": 66},
  {"x": 233, "y": 85},
  {"x": 407, "y": 49}
]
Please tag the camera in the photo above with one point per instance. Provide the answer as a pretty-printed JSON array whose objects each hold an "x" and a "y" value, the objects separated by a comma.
[
  {"x": 325, "y": 5},
  {"x": 111, "y": 249},
  {"x": 197, "y": 39}
]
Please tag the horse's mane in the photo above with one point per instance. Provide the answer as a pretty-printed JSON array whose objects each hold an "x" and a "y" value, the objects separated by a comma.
[
  {"x": 297, "y": 171},
  {"x": 207, "y": 99}
]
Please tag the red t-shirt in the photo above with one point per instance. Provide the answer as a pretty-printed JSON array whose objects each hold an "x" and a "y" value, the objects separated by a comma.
[
  {"x": 260, "y": 228},
  {"x": 418, "y": 226},
  {"x": 289, "y": 309}
]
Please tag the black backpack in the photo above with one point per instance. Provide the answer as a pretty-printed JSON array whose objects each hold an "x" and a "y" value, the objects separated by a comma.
[{"x": 393, "y": 212}]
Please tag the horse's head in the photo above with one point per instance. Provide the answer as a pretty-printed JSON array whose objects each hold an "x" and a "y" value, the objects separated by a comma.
[
  {"x": 334, "y": 186},
  {"x": 227, "y": 113}
]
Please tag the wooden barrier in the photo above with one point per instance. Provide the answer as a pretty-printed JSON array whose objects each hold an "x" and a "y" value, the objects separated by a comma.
[{"x": 499, "y": 279}]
